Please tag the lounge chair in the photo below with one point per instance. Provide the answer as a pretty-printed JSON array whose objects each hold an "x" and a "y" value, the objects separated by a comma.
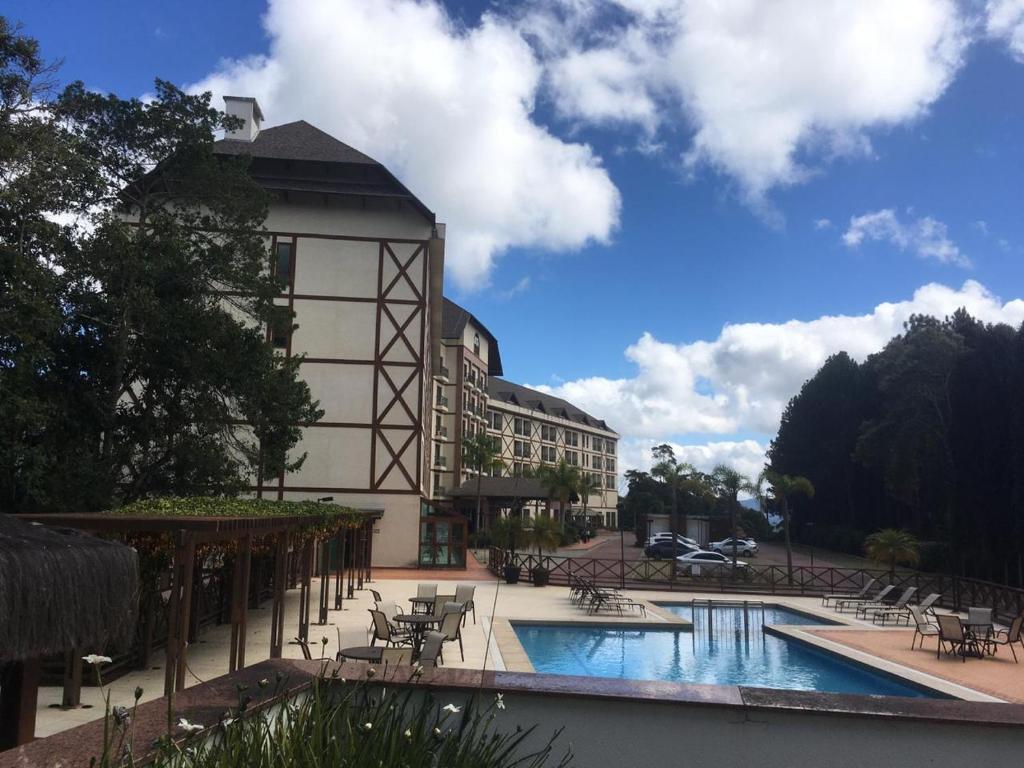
[
  {"x": 464, "y": 595},
  {"x": 922, "y": 626},
  {"x": 431, "y": 650},
  {"x": 951, "y": 633},
  {"x": 849, "y": 595},
  {"x": 863, "y": 609},
  {"x": 898, "y": 614},
  {"x": 1009, "y": 637},
  {"x": 451, "y": 627},
  {"x": 614, "y": 600},
  {"x": 853, "y": 602}
]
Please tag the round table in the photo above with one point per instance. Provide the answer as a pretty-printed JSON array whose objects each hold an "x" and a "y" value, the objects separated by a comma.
[
  {"x": 361, "y": 653},
  {"x": 427, "y": 604},
  {"x": 418, "y": 624}
]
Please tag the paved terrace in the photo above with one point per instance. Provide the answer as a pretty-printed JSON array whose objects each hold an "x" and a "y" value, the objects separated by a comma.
[{"x": 491, "y": 644}]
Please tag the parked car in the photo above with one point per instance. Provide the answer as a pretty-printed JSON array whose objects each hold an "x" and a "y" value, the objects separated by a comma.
[
  {"x": 745, "y": 547},
  {"x": 703, "y": 563},
  {"x": 663, "y": 548},
  {"x": 667, "y": 536}
]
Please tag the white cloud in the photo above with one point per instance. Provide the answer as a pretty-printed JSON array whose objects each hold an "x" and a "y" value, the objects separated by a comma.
[
  {"x": 823, "y": 224},
  {"x": 740, "y": 381},
  {"x": 1005, "y": 20},
  {"x": 521, "y": 286},
  {"x": 925, "y": 236},
  {"x": 768, "y": 89},
  {"x": 449, "y": 109},
  {"x": 745, "y": 456}
]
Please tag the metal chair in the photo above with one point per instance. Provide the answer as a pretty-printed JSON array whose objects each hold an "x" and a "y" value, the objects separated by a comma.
[
  {"x": 951, "y": 633},
  {"x": 464, "y": 595},
  {"x": 431, "y": 650},
  {"x": 922, "y": 626},
  {"x": 451, "y": 627},
  {"x": 304, "y": 645},
  {"x": 1009, "y": 637},
  {"x": 382, "y": 630},
  {"x": 862, "y": 592},
  {"x": 855, "y": 601},
  {"x": 376, "y": 595},
  {"x": 396, "y": 657}
]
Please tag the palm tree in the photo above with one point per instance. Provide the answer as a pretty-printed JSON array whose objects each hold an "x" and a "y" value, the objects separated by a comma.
[
  {"x": 677, "y": 476},
  {"x": 891, "y": 546},
  {"x": 587, "y": 485},
  {"x": 543, "y": 534},
  {"x": 729, "y": 484},
  {"x": 479, "y": 453},
  {"x": 561, "y": 481},
  {"x": 782, "y": 487}
]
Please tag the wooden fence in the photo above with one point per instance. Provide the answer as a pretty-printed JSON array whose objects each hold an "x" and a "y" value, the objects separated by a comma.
[{"x": 957, "y": 593}]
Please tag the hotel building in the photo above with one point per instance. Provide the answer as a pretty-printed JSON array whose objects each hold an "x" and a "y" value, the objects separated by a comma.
[{"x": 362, "y": 263}]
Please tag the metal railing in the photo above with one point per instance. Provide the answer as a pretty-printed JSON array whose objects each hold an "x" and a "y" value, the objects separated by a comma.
[
  {"x": 442, "y": 401},
  {"x": 958, "y": 593},
  {"x": 440, "y": 461}
]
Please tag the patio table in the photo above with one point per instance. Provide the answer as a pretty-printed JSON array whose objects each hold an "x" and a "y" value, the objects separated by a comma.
[
  {"x": 418, "y": 624},
  {"x": 422, "y": 604},
  {"x": 370, "y": 653}
]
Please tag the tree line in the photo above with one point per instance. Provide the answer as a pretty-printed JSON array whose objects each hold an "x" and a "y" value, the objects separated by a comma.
[
  {"x": 925, "y": 436},
  {"x": 135, "y": 295}
]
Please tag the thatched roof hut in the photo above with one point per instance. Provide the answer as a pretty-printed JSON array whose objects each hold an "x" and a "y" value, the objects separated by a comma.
[{"x": 62, "y": 589}]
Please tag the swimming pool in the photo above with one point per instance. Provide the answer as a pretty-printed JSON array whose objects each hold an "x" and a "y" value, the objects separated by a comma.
[
  {"x": 727, "y": 656},
  {"x": 732, "y": 616}
]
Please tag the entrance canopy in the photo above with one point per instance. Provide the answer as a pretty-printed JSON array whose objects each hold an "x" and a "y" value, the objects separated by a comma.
[{"x": 508, "y": 489}]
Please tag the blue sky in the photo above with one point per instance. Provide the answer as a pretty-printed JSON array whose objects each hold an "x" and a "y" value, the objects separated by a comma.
[{"x": 894, "y": 186}]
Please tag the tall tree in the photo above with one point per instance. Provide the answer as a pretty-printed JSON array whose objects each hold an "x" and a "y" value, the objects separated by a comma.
[
  {"x": 679, "y": 478},
  {"x": 480, "y": 453},
  {"x": 147, "y": 371},
  {"x": 586, "y": 485},
  {"x": 782, "y": 488}
]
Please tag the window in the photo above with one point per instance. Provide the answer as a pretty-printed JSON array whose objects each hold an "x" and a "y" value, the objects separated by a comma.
[
  {"x": 609, "y": 464},
  {"x": 283, "y": 263},
  {"x": 572, "y": 457},
  {"x": 521, "y": 427},
  {"x": 609, "y": 481},
  {"x": 586, "y": 441},
  {"x": 281, "y": 328},
  {"x": 609, "y": 446},
  {"x": 476, "y": 344},
  {"x": 547, "y": 432},
  {"x": 494, "y": 419},
  {"x": 517, "y": 469},
  {"x": 521, "y": 448},
  {"x": 598, "y": 445},
  {"x": 572, "y": 438},
  {"x": 597, "y": 462},
  {"x": 547, "y": 454}
]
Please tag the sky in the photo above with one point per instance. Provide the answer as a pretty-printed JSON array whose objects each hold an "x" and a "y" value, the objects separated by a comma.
[{"x": 668, "y": 212}]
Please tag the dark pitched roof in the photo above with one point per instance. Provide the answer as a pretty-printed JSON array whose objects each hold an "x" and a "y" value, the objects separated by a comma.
[
  {"x": 453, "y": 324},
  {"x": 299, "y": 157},
  {"x": 517, "y": 394},
  {"x": 503, "y": 487},
  {"x": 295, "y": 141}
]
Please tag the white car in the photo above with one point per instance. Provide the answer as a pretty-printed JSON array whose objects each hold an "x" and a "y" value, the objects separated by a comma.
[
  {"x": 667, "y": 536},
  {"x": 707, "y": 564},
  {"x": 745, "y": 547}
]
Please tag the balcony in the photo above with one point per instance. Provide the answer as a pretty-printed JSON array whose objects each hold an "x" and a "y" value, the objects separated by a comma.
[
  {"x": 440, "y": 461},
  {"x": 441, "y": 431},
  {"x": 442, "y": 402},
  {"x": 440, "y": 490}
]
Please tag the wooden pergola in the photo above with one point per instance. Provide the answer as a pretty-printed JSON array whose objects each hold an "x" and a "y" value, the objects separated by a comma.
[{"x": 352, "y": 564}]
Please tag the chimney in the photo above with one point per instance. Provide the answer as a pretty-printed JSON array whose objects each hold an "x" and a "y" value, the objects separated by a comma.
[{"x": 246, "y": 108}]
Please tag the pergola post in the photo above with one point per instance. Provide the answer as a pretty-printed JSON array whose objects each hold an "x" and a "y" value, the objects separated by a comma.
[
  {"x": 361, "y": 550},
  {"x": 19, "y": 691},
  {"x": 72, "y": 694},
  {"x": 180, "y": 611},
  {"x": 339, "y": 570},
  {"x": 325, "y": 580},
  {"x": 240, "y": 603},
  {"x": 277, "y": 609},
  {"x": 350, "y": 566},
  {"x": 306, "y": 565},
  {"x": 369, "y": 550}
]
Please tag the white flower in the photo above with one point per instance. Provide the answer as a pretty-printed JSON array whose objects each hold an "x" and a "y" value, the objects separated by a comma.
[
  {"x": 499, "y": 701},
  {"x": 371, "y": 672},
  {"x": 450, "y": 708},
  {"x": 94, "y": 659},
  {"x": 408, "y": 733},
  {"x": 368, "y": 726},
  {"x": 185, "y": 725}
]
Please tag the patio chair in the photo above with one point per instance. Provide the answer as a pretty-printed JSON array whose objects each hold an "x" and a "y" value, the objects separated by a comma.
[
  {"x": 900, "y": 606},
  {"x": 389, "y": 608},
  {"x": 853, "y": 602},
  {"x": 431, "y": 650},
  {"x": 1009, "y": 637},
  {"x": 304, "y": 646},
  {"x": 426, "y": 590},
  {"x": 382, "y": 630},
  {"x": 376, "y": 595},
  {"x": 451, "y": 627},
  {"x": 922, "y": 626},
  {"x": 615, "y": 600},
  {"x": 396, "y": 657},
  {"x": 464, "y": 595},
  {"x": 926, "y": 604},
  {"x": 898, "y": 614},
  {"x": 849, "y": 595},
  {"x": 951, "y": 633}
]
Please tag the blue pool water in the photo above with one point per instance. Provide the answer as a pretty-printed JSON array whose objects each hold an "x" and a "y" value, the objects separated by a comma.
[
  {"x": 733, "y": 617},
  {"x": 728, "y": 656}
]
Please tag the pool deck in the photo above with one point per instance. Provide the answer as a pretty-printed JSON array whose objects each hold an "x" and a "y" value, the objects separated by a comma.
[{"x": 491, "y": 642}]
